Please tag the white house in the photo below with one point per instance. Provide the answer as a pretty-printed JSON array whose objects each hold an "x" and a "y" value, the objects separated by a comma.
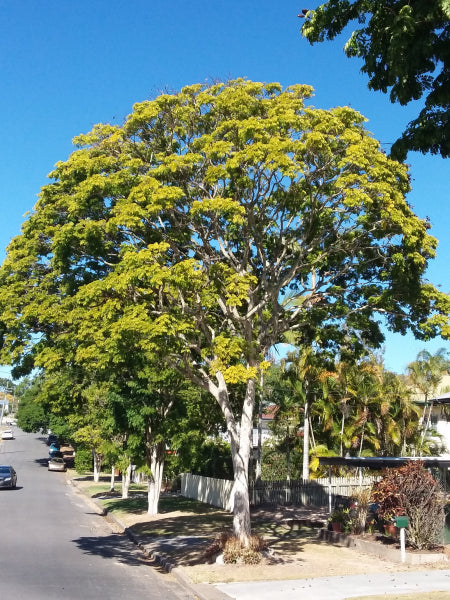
[{"x": 439, "y": 408}]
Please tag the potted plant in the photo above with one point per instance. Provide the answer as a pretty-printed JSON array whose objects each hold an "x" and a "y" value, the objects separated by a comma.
[
  {"x": 339, "y": 519},
  {"x": 390, "y": 527}
]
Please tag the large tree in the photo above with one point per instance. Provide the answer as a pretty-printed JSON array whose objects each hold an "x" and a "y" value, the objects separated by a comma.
[
  {"x": 180, "y": 232},
  {"x": 404, "y": 45}
]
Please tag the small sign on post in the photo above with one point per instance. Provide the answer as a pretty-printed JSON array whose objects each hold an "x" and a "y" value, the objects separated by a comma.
[{"x": 402, "y": 523}]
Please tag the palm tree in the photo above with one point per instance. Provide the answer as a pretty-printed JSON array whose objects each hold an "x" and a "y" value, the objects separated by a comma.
[
  {"x": 307, "y": 376},
  {"x": 401, "y": 424},
  {"x": 425, "y": 374}
]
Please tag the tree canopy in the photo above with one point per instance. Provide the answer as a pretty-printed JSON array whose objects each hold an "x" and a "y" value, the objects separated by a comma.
[
  {"x": 179, "y": 235},
  {"x": 405, "y": 47}
]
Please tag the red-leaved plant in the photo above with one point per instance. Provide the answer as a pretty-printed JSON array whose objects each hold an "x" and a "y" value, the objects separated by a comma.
[{"x": 411, "y": 490}]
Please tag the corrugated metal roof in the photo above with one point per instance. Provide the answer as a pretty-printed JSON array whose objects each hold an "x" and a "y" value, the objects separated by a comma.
[{"x": 442, "y": 399}]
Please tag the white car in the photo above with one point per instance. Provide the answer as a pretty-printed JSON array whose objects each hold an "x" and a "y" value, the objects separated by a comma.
[
  {"x": 7, "y": 434},
  {"x": 56, "y": 464}
]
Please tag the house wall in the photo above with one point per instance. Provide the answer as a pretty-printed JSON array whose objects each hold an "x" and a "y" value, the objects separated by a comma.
[{"x": 440, "y": 418}]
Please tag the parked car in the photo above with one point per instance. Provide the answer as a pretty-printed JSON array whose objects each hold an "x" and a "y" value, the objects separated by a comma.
[
  {"x": 53, "y": 449},
  {"x": 7, "y": 434},
  {"x": 51, "y": 439},
  {"x": 56, "y": 454},
  {"x": 8, "y": 477},
  {"x": 56, "y": 463}
]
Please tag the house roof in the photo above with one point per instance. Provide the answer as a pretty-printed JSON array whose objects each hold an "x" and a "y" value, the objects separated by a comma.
[
  {"x": 383, "y": 462},
  {"x": 442, "y": 399}
]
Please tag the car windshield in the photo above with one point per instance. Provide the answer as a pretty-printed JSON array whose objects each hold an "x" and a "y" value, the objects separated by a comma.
[{"x": 4, "y": 470}]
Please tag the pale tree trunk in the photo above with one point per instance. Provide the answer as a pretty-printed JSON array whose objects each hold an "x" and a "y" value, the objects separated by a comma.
[
  {"x": 240, "y": 451},
  {"x": 363, "y": 432},
  {"x": 155, "y": 453},
  {"x": 98, "y": 460},
  {"x": 259, "y": 451},
  {"x": 342, "y": 435},
  {"x": 428, "y": 419},
  {"x": 126, "y": 480},
  {"x": 305, "y": 470},
  {"x": 158, "y": 453},
  {"x": 241, "y": 445},
  {"x": 311, "y": 433},
  {"x": 288, "y": 454},
  {"x": 113, "y": 478}
]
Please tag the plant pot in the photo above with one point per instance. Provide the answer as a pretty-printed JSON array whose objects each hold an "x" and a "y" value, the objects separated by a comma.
[
  {"x": 336, "y": 527},
  {"x": 391, "y": 529}
]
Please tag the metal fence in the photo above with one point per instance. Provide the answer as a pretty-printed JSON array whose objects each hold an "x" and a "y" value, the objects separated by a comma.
[{"x": 314, "y": 492}]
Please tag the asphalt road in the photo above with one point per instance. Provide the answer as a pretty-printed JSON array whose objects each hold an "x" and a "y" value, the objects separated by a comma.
[{"x": 53, "y": 546}]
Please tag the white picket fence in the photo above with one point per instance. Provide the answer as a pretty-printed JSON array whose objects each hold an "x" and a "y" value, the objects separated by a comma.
[{"x": 316, "y": 492}]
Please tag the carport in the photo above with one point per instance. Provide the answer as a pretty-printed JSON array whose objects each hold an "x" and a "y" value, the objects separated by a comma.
[{"x": 377, "y": 463}]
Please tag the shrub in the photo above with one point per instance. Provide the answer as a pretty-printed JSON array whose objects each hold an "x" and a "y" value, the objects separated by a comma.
[
  {"x": 360, "y": 509},
  {"x": 411, "y": 490},
  {"x": 83, "y": 459},
  {"x": 341, "y": 515},
  {"x": 234, "y": 552}
]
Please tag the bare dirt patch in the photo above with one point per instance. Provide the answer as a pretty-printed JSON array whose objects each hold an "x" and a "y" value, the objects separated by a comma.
[{"x": 302, "y": 560}]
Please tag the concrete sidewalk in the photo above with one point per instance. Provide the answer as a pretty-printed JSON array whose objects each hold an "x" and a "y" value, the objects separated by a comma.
[{"x": 339, "y": 588}]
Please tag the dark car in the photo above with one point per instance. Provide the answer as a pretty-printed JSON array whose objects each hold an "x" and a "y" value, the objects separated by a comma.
[
  {"x": 51, "y": 439},
  {"x": 55, "y": 454},
  {"x": 8, "y": 477}
]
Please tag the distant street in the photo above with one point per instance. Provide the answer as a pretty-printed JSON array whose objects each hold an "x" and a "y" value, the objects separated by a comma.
[{"x": 53, "y": 546}]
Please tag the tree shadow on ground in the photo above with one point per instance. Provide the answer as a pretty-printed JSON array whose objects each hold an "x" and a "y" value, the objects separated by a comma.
[
  {"x": 184, "y": 525},
  {"x": 137, "y": 503},
  {"x": 186, "y": 538},
  {"x": 114, "y": 546},
  {"x": 286, "y": 539}
]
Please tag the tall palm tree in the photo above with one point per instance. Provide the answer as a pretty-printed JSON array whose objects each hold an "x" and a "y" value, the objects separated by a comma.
[
  {"x": 307, "y": 376},
  {"x": 425, "y": 374},
  {"x": 401, "y": 427}
]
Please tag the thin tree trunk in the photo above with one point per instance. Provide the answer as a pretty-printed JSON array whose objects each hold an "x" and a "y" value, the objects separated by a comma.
[
  {"x": 363, "y": 432},
  {"x": 113, "y": 478},
  {"x": 361, "y": 441},
  {"x": 259, "y": 451},
  {"x": 422, "y": 437},
  {"x": 305, "y": 471},
  {"x": 98, "y": 460},
  {"x": 288, "y": 455},
  {"x": 311, "y": 433},
  {"x": 126, "y": 480},
  {"x": 342, "y": 435},
  {"x": 430, "y": 410}
]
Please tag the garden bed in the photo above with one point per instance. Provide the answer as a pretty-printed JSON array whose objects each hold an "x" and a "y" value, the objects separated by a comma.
[{"x": 385, "y": 547}]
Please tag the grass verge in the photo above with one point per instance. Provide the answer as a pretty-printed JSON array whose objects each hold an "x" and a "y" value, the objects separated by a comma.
[{"x": 184, "y": 517}]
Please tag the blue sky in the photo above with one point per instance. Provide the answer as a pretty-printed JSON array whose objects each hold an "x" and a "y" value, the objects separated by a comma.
[{"x": 65, "y": 66}]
